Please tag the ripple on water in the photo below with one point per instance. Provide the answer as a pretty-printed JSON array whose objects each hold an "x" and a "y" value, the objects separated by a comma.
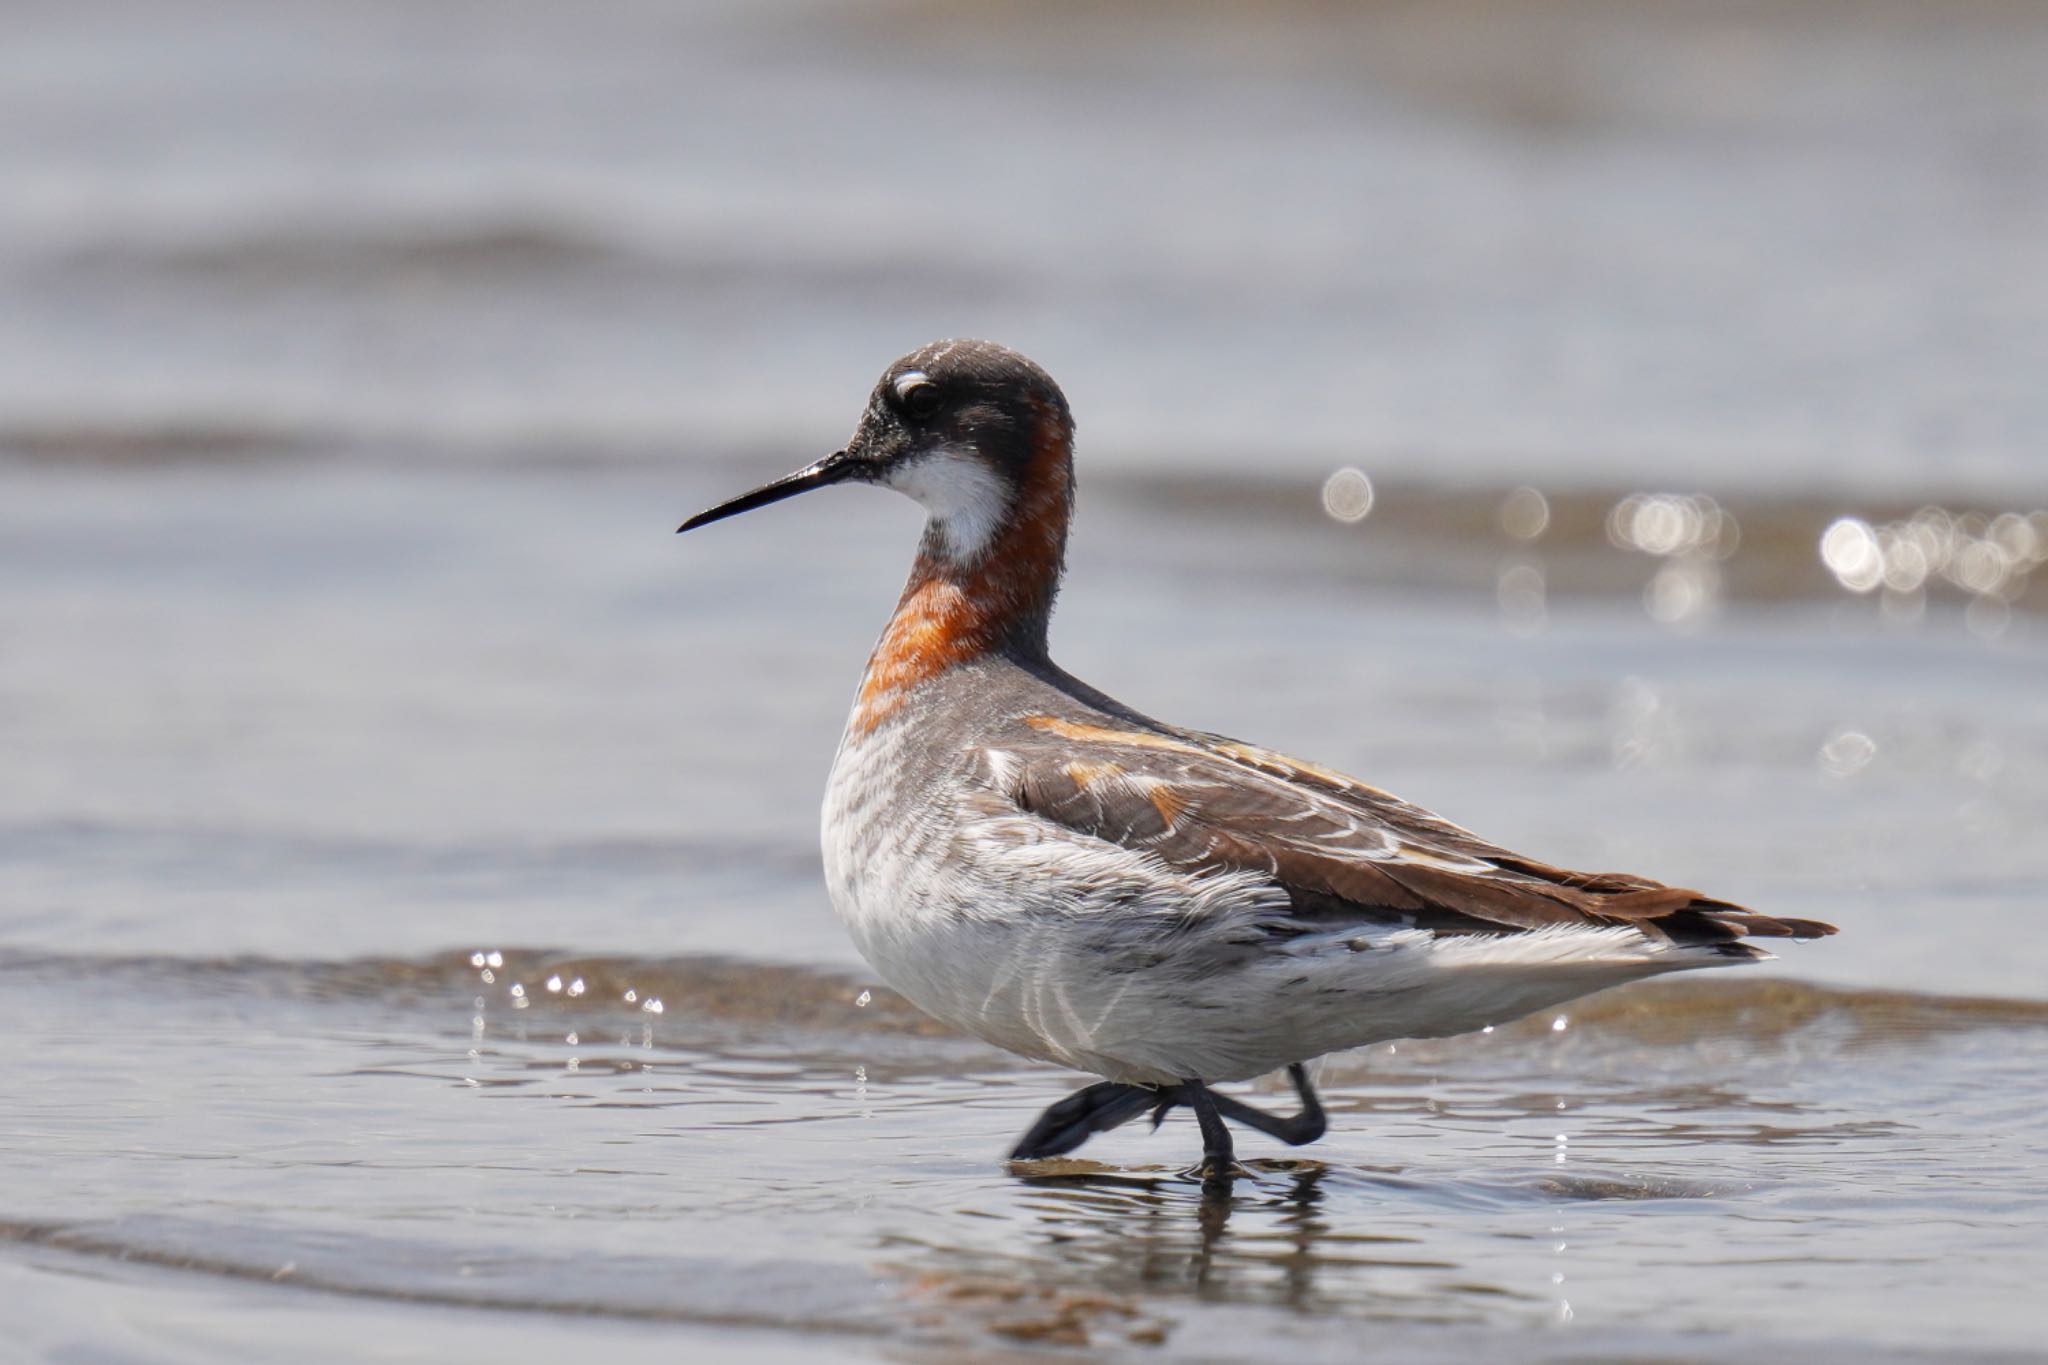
[{"x": 1856, "y": 1143}]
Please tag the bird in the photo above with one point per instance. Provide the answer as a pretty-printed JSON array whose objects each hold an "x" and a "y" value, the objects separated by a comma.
[{"x": 1037, "y": 864}]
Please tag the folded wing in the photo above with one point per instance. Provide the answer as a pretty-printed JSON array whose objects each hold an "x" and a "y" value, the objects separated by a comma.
[{"x": 1343, "y": 851}]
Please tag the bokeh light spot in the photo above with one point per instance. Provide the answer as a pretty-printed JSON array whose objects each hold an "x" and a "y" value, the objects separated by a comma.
[{"x": 1347, "y": 494}]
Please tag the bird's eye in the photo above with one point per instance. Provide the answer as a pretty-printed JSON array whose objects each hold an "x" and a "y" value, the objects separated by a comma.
[{"x": 917, "y": 395}]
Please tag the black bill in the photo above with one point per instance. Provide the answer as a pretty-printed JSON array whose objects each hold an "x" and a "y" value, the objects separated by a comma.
[{"x": 834, "y": 468}]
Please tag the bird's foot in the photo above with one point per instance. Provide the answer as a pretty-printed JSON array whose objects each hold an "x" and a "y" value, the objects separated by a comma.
[{"x": 1090, "y": 1110}]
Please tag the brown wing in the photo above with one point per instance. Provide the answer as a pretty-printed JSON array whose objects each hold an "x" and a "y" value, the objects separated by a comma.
[{"x": 1342, "y": 850}]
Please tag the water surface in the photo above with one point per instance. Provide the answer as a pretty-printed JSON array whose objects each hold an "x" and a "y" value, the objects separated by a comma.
[
  {"x": 412, "y": 942},
  {"x": 441, "y": 926}
]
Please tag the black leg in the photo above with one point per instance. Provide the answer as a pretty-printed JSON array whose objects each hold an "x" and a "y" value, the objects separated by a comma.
[
  {"x": 1219, "y": 1162},
  {"x": 1081, "y": 1115},
  {"x": 1311, "y": 1114},
  {"x": 1110, "y": 1104},
  {"x": 1295, "y": 1131}
]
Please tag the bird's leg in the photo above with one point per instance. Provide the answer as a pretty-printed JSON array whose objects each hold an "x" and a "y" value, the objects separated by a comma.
[
  {"x": 1295, "y": 1130},
  {"x": 1309, "y": 1124},
  {"x": 1090, "y": 1110},
  {"x": 1110, "y": 1104},
  {"x": 1219, "y": 1163}
]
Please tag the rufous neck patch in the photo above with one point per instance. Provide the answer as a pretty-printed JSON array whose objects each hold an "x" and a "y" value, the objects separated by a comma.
[{"x": 952, "y": 612}]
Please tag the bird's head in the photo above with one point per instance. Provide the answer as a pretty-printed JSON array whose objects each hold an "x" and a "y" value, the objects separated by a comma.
[{"x": 971, "y": 430}]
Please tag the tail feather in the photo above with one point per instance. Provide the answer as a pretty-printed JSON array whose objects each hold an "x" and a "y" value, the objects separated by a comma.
[{"x": 1746, "y": 923}]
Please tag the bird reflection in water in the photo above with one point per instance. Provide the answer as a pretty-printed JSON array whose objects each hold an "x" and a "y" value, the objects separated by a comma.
[{"x": 1270, "y": 1245}]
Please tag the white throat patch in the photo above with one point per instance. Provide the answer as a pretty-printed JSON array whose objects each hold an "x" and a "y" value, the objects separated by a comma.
[{"x": 967, "y": 500}]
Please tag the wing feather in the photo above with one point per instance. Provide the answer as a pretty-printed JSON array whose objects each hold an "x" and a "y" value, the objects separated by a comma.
[{"x": 1343, "y": 851}]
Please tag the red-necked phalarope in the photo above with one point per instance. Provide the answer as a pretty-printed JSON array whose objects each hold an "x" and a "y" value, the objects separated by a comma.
[{"x": 1046, "y": 868}]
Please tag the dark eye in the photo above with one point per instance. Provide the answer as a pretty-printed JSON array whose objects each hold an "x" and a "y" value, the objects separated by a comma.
[{"x": 916, "y": 396}]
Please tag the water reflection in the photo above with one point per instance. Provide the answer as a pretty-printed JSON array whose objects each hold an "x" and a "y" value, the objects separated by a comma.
[
  {"x": 1717, "y": 1126},
  {"x": 1523, "y": 593},
  {"x": 1274, "y": 1243},
  {"x": 1703, "y": 555},
  {"x": 1847, "y": 753},
  {"x": 1320, "y": 1238},
  {"x": 1348, "y": 495},
  {"x": 1690, "y": 534},
  {"x": 1524, "y": 513},
  {"x": 1673, "y": 524},
  {"x": 1988, "y": 557}
]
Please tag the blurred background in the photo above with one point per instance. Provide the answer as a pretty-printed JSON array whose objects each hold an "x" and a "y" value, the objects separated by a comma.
[{"x": 1619, "y": 426}]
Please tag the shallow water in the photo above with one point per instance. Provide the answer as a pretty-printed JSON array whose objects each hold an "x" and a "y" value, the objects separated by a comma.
[
  {"x": 412, "y": 943},
  {"x": 1813, "y": 1166},
  {"x": 321, "y": 915}
]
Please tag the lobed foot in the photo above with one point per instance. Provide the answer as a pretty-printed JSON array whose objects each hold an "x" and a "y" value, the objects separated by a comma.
[{"x": 1090, "y": 1110}]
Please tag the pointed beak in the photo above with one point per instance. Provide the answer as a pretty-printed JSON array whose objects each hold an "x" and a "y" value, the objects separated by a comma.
[{"x": 834, "y": 468}]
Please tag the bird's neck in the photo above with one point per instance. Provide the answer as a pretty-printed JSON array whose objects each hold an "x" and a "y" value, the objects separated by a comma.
[{"x": 964, "y": 603}]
